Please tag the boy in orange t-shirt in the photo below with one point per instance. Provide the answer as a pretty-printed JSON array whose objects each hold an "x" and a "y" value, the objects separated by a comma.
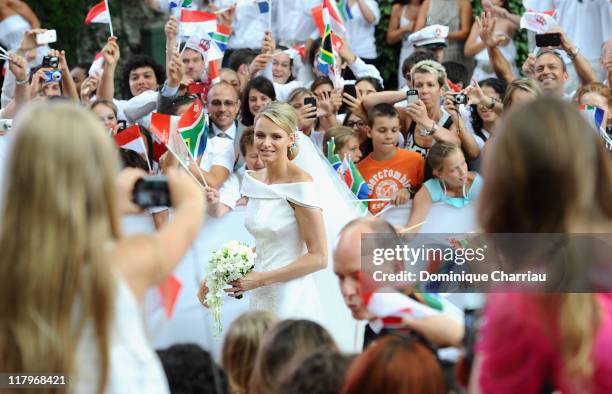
[{"x": 390, "y": 172}]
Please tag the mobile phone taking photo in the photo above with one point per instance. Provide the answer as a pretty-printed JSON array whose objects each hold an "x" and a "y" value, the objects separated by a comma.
[
  {"x": 48, "y": 37},
  {"x": 350, "y": 90},
  {"x": 548, "y": 40},
  {"x": 412, "y": 96},
  {"x": 312, "y": 101}
]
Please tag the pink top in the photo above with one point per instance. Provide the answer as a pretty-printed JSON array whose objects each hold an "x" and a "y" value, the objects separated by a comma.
[{"x": 520, "y": 351}]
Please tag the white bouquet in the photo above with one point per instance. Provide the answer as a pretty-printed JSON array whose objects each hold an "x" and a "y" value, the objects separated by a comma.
[{"x": 230, "y": 262}]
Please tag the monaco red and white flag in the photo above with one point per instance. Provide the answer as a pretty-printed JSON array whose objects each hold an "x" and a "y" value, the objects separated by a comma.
[
  {"x": 96, "y": 65},
  {"x": 165, "y": 129},
  {"x": 538, "y": 22},
  {"x": 131, "y": 139},
  {"x": 213, "y": 72},
  {"x": 98, "y": 14},
  {"x": 163, "y": 125},
  {"x": 196, "y": 22}
]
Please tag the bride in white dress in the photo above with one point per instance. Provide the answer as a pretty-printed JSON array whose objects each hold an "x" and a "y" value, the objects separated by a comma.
[
  {"x": 295, "y": 220},
  {"x": 286, "y": 220}
]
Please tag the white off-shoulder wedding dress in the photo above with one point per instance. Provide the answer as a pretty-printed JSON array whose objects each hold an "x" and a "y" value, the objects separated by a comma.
[{"x": 271, "y": 221}]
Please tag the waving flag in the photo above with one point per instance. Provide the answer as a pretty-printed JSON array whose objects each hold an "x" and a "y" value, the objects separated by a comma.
[
  {"x": 332, "y": 156},
  {"x": 538, "y": 22},
  {"x": 163, "y": 125},
  {"x": 98, "y": 14},
  {"x": 263, "y": 5},
  {"x": 165, "y": 129},
  {"x": 391, "y": 306},
  {"x": 192, "y": 22},
  {"x": 347, "y": 170},
  {"x": 221, "y": 36},
  {"x": 193, "y": 128},
  {"x": 326, "y": 55},
  {"x": 213, "y": 72},
  {"x": 169, "y": 291},
  {"x": 96, "y": 65},
  {"x": 321, "y": 19},
  {"x": 345, "y": 10},
  {"x": 335, "y": 17},
  {"x": 594, "y": 115},
  {"x": 175, "y": 4},
  {"x": 353, "y": 178},
  {"x": 205, "y": 46},
  {"x": 131, "y": 139}
]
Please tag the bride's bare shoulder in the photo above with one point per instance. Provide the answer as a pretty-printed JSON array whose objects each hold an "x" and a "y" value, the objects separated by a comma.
[
  {"x": 299, "y": 175},
  {"x": 260, "y": 175}
]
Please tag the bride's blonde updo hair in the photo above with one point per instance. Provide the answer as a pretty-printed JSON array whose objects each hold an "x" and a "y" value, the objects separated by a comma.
[{"x": 283, "y": 115}]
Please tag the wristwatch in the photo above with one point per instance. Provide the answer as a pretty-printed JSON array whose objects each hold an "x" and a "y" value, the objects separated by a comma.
[
  {"x": 572, "y": 54},
  {"x": 432, "y": 131}
]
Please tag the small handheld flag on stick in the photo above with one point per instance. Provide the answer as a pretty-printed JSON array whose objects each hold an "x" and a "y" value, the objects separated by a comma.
[
  {"x": 345, "y": 10},
  {"x": 326, "y": 55},
  {"x": 100, "y": 14},
  {"x": 165, "y": 128},
  {"x": 538, "y": 22},
  {"x": 178, "y": 6},
  {"x": 131, "y": 139},
  {"x": 192, "y": 22},
  {"x": 169, "y": 291},
  {"x": 270, "y": 18},
  {"x": 110, "y": 21}
]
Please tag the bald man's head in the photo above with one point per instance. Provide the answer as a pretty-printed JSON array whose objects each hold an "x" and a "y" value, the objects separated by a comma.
[
  {"x": 347, "y": 260},
  {"x": 223, "y": 105}
]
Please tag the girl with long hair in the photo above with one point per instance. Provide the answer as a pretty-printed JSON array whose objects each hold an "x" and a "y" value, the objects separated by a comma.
[
  {"x": 546, "y": 174},
  {"x": 75, "y": 282}
]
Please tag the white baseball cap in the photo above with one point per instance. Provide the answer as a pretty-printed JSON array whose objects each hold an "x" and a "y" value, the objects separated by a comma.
[{"x": 433, "y": 36}]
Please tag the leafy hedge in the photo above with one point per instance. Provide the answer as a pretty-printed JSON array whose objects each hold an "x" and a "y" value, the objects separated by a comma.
[{"x": 390, "y": 53}]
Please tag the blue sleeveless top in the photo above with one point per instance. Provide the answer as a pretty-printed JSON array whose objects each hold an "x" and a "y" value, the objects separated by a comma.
[{"x": 438, "y": 192}]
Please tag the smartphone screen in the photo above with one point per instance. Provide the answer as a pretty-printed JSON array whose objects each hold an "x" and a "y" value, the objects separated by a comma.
[
  {"x": 412, "y": 96},
  {"x": 312, "y": 101},
  {"x": 48, "y": 37},
  {"x": 548, "y": 40},
  {"x": 350, "y": 90}
]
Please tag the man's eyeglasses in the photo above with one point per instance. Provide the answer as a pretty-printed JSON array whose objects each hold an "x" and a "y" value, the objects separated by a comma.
[{"x": 218, "y": 103}]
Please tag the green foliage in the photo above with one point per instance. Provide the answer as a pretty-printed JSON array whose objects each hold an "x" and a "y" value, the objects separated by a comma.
[
  {"x": 390, "y": 53},
  {"x": 65, "y": 16}
]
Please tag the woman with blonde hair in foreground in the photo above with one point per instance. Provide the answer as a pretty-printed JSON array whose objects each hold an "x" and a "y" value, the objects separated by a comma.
[
  {"x": 547, "y": 173},
  {"x": 75, "y": 283}
]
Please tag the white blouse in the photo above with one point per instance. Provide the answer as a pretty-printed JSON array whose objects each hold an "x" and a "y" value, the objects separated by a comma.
[{"x": 361, "y": 33}]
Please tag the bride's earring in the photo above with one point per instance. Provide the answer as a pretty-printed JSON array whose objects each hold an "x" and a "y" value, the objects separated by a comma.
[{"x": 292, "y": 149}]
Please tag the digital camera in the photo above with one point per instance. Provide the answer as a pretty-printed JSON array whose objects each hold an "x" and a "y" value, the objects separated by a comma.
[
  {"x": 52, "y": 76},
  {"x": 460, "y": 98},
  {"x": 152, "y": 191},
  {"x": 50, "y": 62}
]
